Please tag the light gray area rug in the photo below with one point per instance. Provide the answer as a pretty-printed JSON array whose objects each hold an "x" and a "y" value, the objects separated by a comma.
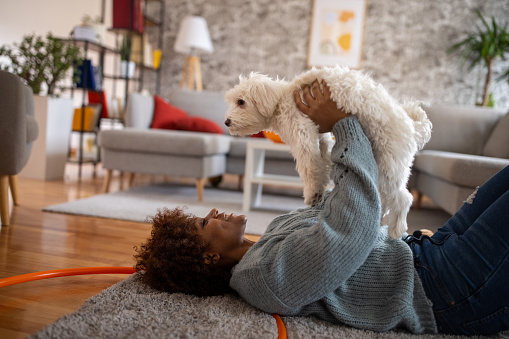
[
  {"x": 129, "y": 309},
  {"x": 138, "y": 203}
]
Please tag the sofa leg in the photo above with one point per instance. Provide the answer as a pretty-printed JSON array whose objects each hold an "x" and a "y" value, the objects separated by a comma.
[
  {"x": 200, "y": 184},
  {"x": 130, "y": 180},
  {"x": 418, "y": 202},
  {"x": 4, "y": 199},
  {"x": 13, "y": 184},
  {"x": 106, "y": 183},
  {"x": 121, "y": 176},
  {"x": 241, "y": 181}
]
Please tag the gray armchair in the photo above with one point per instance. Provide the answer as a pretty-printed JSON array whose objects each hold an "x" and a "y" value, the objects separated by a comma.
[{"x": 18, "y": 130}]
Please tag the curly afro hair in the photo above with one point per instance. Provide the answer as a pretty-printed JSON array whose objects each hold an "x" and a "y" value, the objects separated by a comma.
[{"x": 172, "y": 258}]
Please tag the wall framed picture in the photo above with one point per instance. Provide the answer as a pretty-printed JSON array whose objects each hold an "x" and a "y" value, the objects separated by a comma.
[{"x": 337, "y": 33}]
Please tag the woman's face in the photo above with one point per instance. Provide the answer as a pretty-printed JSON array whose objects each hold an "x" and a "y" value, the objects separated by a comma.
[{"x": 225, "y": 235}]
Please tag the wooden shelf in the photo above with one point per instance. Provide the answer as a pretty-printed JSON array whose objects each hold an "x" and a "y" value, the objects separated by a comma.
[
  {"x": 93, "y": 46},
  {"x": 101, "y": 49}
]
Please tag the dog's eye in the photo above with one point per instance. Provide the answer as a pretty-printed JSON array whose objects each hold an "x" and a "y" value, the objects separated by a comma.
[{"x": 240, "y": 102}]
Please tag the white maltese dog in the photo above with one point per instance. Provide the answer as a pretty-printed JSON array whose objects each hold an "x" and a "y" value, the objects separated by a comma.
[{"x": 396, "y": 131}]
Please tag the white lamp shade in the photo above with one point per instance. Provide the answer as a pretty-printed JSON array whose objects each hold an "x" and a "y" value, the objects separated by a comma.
[{"x": 193, "y": 34}]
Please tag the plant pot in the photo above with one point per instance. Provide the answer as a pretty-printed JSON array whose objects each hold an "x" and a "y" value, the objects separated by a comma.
[
  {"x": 100, "y": 31},
  {"x": 49, "y": 151},
  {"x": 127, "y": 68},
  {"x": 85, "y": 33}
]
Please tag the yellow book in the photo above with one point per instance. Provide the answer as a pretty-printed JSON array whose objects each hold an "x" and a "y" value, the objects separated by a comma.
[{"x": 91, "y": 115}]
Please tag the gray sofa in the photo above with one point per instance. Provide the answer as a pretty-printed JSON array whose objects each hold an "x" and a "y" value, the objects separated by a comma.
[
  {"x": 468, "y": 146},
  {"x": 19, "y": 130},
  {"x": 139, "y": 149}
]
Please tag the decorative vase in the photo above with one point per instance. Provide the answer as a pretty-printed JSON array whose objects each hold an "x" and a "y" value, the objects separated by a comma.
[
  {"x": 49, "y": 151},
  {"x": 127, "y": 68}
]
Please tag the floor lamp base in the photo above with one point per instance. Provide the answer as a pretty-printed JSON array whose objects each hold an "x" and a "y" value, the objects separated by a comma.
[{"x": 192, "y": 71}]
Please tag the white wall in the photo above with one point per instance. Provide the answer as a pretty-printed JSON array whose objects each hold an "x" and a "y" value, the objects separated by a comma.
[{"x": 22, "y": 17}]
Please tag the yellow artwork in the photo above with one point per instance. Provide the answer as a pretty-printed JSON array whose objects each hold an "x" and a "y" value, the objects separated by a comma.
[{"x": 337, "y": 30}]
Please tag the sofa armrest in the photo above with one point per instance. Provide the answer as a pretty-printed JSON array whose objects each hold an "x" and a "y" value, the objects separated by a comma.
[
  {"x": 457, "y": 168},
  {"x": 461, "y": 129}
]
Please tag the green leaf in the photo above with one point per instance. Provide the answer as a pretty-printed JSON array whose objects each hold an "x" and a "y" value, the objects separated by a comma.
[
  {"x": 488, "y": 42},
  {"x": 39, "y": 60}
]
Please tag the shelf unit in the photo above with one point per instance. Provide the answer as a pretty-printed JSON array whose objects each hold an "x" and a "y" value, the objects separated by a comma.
[{"x": 102, "y": 50}]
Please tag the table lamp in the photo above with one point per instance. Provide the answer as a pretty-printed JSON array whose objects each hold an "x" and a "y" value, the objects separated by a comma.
[{"x": 193, "y": 37}]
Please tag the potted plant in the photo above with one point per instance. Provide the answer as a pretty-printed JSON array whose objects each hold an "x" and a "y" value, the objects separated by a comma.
[
  {"x": 127, "y": 66},
  {"x": 97, "y": 25},
  {"x": 39, "y": 61},
  {"x": 483, "y": 47}
]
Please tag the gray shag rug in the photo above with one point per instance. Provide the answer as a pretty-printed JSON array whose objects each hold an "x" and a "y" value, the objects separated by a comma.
[
  {"x": 138, "y": 203},
  {"x": 130, "y": 309}
]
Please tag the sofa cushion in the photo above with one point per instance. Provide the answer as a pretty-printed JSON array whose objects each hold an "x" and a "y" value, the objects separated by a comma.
[
  {"x": 195, "y": 124},
  {"x": 165, "y": 114},
  {"x": 460, "y": 169},
  {"x": 206, "y": 104},
  {"x": 460, "y": 129},
  {"x": 498, "y": 143},
  {"x": 164, "y": 141}
]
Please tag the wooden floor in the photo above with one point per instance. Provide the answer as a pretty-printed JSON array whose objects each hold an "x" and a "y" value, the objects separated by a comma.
[{"x": 39, "y": 241}]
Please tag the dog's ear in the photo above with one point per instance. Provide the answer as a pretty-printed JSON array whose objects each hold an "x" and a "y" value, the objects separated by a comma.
[{"x": 266, "y": 95}]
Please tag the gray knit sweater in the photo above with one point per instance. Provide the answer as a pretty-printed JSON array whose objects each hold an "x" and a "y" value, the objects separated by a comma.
[{"x": 333, "y": 260}]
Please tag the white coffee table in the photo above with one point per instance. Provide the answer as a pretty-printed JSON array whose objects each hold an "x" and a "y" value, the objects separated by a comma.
[{"x": 254, "y": 176}]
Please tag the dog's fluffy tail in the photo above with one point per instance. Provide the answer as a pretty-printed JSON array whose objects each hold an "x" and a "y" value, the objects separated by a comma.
[{"x": 422, "y": 124}]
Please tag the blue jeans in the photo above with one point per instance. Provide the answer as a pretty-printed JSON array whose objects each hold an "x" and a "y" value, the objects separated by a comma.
[{"x": 464, "y": 266}]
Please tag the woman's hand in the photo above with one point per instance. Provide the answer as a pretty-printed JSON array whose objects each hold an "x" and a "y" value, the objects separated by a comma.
[{"x": 319, "y": 107}]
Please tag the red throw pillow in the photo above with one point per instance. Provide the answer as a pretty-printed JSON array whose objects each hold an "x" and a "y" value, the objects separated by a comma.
[
  {"x": 165, "y": 114},
  {"x": 197, "y": 124},
  {"x": 258, "y": 135}
]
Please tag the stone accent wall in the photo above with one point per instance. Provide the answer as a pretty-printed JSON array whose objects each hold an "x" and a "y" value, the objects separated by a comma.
[{"x": 404, "y": 46}]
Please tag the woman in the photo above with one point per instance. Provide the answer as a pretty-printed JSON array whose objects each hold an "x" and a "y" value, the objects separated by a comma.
[{"x": 335, "y": 262}]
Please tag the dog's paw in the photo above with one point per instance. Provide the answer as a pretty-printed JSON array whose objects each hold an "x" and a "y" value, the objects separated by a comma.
[{"x": 313, "y": 200}]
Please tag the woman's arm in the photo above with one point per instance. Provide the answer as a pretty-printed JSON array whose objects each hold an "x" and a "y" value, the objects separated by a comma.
[{"x": 292, "y": 269}]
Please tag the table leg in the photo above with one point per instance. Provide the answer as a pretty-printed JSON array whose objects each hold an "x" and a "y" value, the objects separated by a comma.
[{"x": 255, "y": 160}]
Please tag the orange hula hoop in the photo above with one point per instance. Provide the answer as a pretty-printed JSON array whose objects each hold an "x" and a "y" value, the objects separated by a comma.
[
  {"x": 281, "y": 329},
  {"x": 64, "y": 272}
]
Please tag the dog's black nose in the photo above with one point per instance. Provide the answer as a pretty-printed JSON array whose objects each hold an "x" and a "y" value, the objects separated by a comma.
[{"x": 227, "y": 122}]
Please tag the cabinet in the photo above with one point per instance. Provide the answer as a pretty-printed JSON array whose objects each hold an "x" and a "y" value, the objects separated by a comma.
[{"x": 83, "y": 144}]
